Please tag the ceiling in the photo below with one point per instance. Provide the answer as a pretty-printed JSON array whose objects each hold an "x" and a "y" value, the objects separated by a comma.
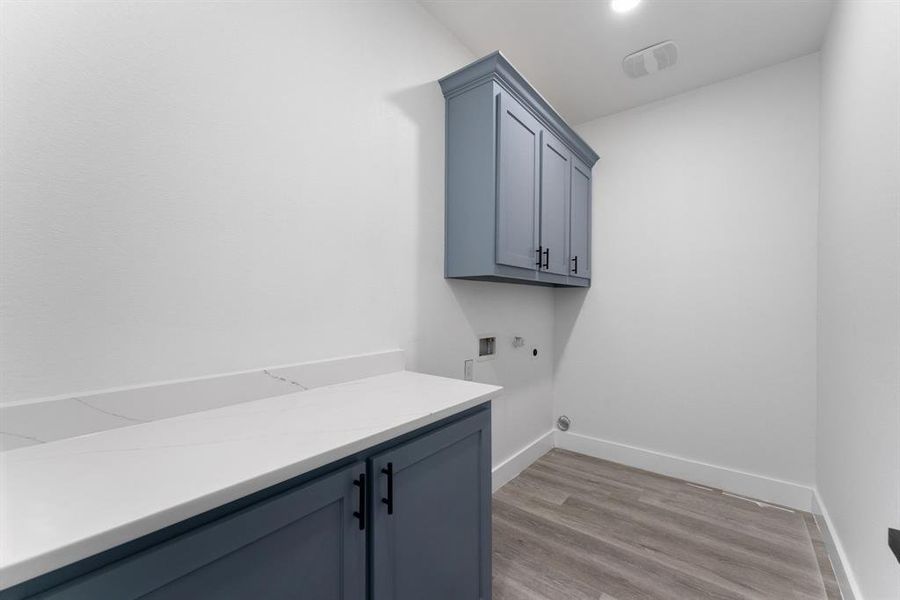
[{"x": 572, "y": 51}]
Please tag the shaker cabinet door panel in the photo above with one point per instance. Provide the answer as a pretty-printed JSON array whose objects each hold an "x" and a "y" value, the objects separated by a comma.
[
  {"x": 518, "y": 176},
  {"x": 555, "y": 178},
  {"x": 580, "y": 219},
  {"x": 304, "y": 543},
  {"x": 431, "y": 519}
]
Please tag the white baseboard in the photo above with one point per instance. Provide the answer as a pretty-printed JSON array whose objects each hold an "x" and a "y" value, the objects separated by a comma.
[
  {"x": 768, "y": 489},
  {"x": 839, "y": 562},
  {"x": 510, "y": 468}
]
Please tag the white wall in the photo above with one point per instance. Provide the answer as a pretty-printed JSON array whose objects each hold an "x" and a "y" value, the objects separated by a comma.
[
  {"x": 194, "y": 188},
  {"x": 858, "y": 458},
  {"x": 698, "y": 337}
]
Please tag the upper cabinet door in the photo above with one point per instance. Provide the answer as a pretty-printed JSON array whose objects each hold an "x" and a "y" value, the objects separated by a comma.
[
  {"x": 518, "y": 176},
  {"x": 431, "y": 520},
  {"x": 580, "y": 219},
  {"x": 555, "y": 178}
]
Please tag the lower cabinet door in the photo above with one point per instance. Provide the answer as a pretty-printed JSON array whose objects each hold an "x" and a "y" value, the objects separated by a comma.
[
  {"x": 303, "y": 544},
  {"x": 431, "y": 517}
]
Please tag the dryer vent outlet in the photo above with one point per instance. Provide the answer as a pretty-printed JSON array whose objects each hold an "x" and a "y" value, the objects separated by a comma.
[{"x": 650, "y": 60}]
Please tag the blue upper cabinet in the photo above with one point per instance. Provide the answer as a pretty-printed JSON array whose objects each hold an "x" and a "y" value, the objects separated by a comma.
[{"x": 518, "y": 182}]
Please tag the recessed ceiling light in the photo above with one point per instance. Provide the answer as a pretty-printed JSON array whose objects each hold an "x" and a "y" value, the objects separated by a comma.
[{"x": 621, "y": 6}]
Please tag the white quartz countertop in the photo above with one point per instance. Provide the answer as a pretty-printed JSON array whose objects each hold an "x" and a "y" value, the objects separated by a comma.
[{"x": 63, "y": 501}]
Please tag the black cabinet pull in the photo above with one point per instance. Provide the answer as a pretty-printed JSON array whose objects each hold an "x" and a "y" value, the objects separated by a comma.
[
  {"x": 894, "y": 542},
  {"x": 389, "y": 471},
  {"x": 575, "y": 270},
  {"x": 539, "y": 253},
  {"x": 361, "y": 514},
  {"x": 547, "y": 258}
]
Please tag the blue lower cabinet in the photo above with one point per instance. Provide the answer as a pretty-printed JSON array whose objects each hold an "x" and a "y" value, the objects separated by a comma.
[
  {"x": 431, "y": 521},
  {"x": 305, "y": 543},
  {"x": 407, "y": 520}
]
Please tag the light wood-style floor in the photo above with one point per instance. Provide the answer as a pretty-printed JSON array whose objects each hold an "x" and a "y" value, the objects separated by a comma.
[{"x": 576, "y": 527}]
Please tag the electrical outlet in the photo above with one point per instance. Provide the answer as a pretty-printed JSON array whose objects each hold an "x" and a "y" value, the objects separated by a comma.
[{"x": 468, "y": 367}]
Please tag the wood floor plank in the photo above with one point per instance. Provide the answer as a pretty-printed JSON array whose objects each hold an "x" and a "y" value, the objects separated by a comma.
[
  {"x": 658, "y": 518},
  {"x": 550, "y": 574},
  {"x": 590, "y": 559},
  {"x": 575, "y": 527},
  {"x": 651, "y": 540},
  {"x": 742, "y": 564},
  {"x": 687, "y": 504},
  {"x": 727, "y": 506},
  {"x": 529, "y": 485}
]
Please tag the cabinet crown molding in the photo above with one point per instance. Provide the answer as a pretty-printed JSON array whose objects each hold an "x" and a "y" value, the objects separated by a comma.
[{"x": 496, "y": 67}]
